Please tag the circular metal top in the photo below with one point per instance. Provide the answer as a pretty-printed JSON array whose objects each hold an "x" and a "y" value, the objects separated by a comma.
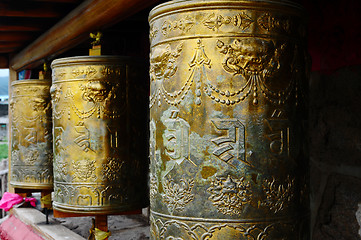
[
  {"x": 31, "y": 82},
  {"x": 81, "y": 60},
  {"x": 184, "y": 5}
]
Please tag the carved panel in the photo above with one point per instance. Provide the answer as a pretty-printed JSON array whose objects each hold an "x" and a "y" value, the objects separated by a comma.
[
  {"x": 94, "y": 122},
  {"x": 229, "y": 195},
  {"x": 177, "y": 195}
]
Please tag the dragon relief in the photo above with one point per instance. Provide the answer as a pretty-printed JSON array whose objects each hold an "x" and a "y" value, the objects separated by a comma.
[
  {"x": 101, "y": 94},
  {"x": 162, "y": 67},
  {"x": 177, "y": 195},
  {"x": 162, "y": 62},
  {"x": 229, "y": 195},
  {"x": 256, "y": 60}
]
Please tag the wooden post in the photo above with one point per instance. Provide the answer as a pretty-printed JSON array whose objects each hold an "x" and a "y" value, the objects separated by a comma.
[
  {"x": 12, "y": 77},
  {"x": 101, "y": 222}
]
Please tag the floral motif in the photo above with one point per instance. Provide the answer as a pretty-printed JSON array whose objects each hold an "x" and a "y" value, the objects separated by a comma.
[
  {"x": 177, "y": 196},
  {"x": 153, "y": 187},
  {"x": 15, "y": 157},
  {"x": 111, "y": 169},
  {"x": 31, "y": 156},
  {"x": 84, "y": 170},
  {"x": 153, "y": 31},
  {"x": 229, "y": 195},
  {"x": 61, "y": 170},
  {"x": 278, "y": 196}
]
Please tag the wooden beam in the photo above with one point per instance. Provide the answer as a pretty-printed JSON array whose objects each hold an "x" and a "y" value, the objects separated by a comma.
[
  {"x": 90, "y": 16},
  {"x": 20, "y": 28},
  {"x": 8, "y": 50},
  {"x": 15, "y": 37},
  {"x": 28, "y": 10},
  {"x": 4, "y": 61},
  {"x": 10, "y": 44},
  {"x": 55, "y": 1}
]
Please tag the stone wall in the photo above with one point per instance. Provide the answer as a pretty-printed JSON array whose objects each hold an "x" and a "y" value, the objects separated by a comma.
[{"x": 335, "y": 154}]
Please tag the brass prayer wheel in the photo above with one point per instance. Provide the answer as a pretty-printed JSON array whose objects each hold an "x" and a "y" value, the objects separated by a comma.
[
  {"x": 100, "y": 157},
  {"x": 31, "y": 138},
  {"x": 228, "y": 100}
]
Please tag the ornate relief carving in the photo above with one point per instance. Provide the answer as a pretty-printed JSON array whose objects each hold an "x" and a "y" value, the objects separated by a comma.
[
  {"x": 84, "y": 170},
  {"x": 241, "y": 20},
  {"x": 278, "y": 133},
  {"x": 176, "y": 138},
  {"x": 231, "y": 146},
  {"x": 229, "y": 195},
  {"x": 270, "y": 23},
  {"x": 278, "y": 196},
  {"x": 162, "y": 62},
  {"x": 15, "y": 157},
  {"x": 83, "y": 139},
  {"x": 153, "y": 188},
  {"x": 153, "y": 31},
  {"x": 61, "y": 169},
  {"x": 177, "y": 195},
  {"x": 111, "y": 169},
  {"x": 58, "y": 74},
  {"x": 256, "y": 60},
  {"x": 111, "y": 71},
  {"x": 31, "y": 156},
  {"x": 175, "y": 229},
  {"x": 184, "y": 25},
  {"x": 162, "y": 67},
  {"x": 196, "y": 66},
  {"x": 83, "y": 72}
]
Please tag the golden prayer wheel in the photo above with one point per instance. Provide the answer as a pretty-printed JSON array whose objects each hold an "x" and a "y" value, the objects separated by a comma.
[
  {"x": 100, "y": 156},
  {"x": 228, "y": 86},
  {"x": 31, "y": 138}
]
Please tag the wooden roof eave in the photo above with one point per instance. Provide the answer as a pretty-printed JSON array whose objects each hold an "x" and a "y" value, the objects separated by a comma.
[{"x": 91, "y": 15}]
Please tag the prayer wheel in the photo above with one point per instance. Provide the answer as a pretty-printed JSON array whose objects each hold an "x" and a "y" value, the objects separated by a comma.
[
  {"x": 228, "y": 114},
  {"x": 31, "y": 138},
  {"x": 100, "y": 157}
]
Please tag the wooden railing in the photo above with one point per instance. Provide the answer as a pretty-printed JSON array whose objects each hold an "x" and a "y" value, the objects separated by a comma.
[{"x": 4, "y": 185}]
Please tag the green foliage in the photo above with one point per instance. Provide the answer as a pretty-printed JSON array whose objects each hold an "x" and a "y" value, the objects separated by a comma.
[{"x": 3, "y": 151}]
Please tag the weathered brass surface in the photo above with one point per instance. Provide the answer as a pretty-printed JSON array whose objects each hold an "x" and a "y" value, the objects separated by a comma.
[
  {"x": 31, "y": 138},
  {"x": 228, "y": 120},
  {"x": 100, "y": 156}
]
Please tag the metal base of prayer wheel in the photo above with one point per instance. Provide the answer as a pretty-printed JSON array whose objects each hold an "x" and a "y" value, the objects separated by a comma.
[
  {"x": 100, "y": 158},
  {"x": 31, "y": 139},
  {"x": 228, "y": 120}
]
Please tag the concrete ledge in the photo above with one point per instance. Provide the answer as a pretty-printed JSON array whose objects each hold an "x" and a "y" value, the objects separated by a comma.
[{"x": 52, "y": 231}]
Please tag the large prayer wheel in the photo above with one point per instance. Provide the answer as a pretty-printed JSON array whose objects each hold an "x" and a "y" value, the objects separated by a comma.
[
  {"x": 100, "y": 157},
  {"x": 228, "y": 118},
  {"x": 31, "y": 138}
]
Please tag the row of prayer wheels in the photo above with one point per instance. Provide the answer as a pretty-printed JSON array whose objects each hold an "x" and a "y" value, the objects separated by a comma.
[
  {"x": 227, "y": 125},
  {"x": 93, "y": 128}
]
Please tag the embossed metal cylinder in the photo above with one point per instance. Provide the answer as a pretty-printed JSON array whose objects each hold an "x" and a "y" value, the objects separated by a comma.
[
  {"x": 228, "y": 100},
  {"x": 100, "y": 156},
  {"x": 31, "y": 138}
]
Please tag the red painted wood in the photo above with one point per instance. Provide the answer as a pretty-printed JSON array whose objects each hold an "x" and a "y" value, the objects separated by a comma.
[{"x": 14, "y": 229}]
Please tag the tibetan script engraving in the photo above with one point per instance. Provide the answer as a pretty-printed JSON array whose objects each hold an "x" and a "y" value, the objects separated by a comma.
[{"x": 231, "y": 145}]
